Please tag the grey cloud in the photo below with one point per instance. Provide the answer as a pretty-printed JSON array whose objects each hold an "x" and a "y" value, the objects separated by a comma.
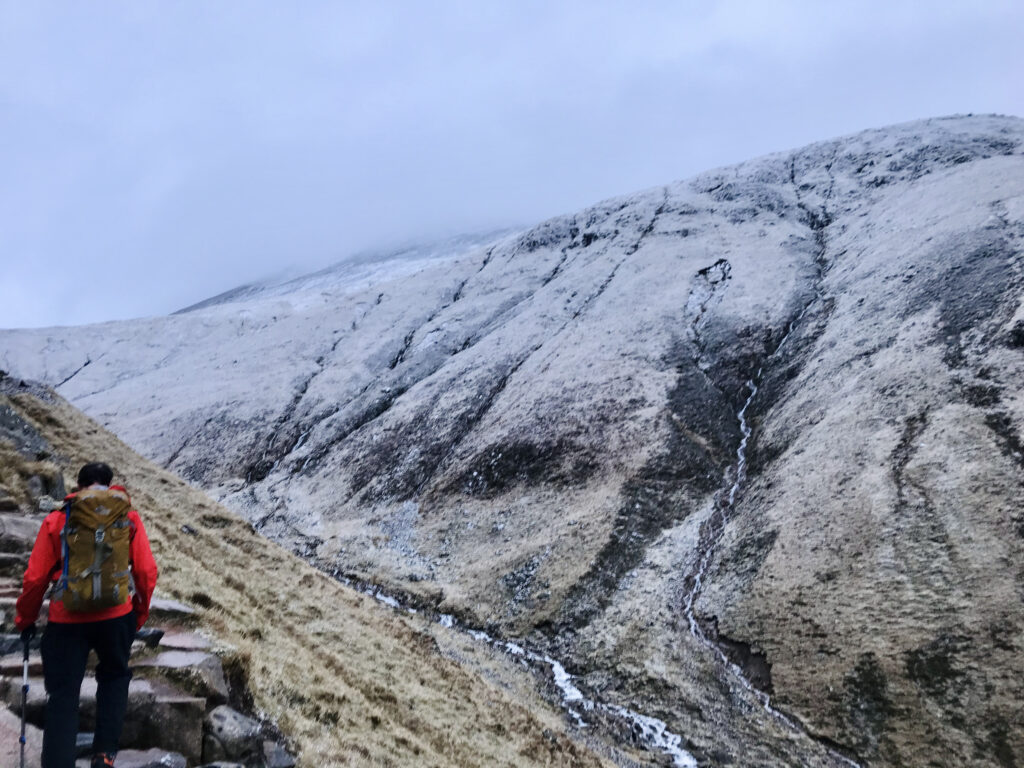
[{"x": 181, "y": 149}]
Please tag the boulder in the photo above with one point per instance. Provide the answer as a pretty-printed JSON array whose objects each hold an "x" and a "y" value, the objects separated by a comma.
[{"x": 231, "y": 736}]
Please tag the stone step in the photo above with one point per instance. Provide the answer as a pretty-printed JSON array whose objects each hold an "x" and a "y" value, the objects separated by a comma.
[
  {"x": 159, "y": 714},
  {"x": 11, "y": 643},
  {"x": 198, "y": 672},
  {"x": 13, "y": 563},
  {"x": 150, "y": 758},
  {"x": 18, "y": 532},
  {"x": 8, "y": 610},
  {"x": 184, "y": 641},
  {"x": 9, "y": 601},
  {"x": 11, "y": 665},
  {"x": 165, "y": 608}
]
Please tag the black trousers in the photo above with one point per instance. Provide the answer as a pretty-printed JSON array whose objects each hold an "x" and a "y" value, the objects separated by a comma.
[{"x": 65, "y": 650}]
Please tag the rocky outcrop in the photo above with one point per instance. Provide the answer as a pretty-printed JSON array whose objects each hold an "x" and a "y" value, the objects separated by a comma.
[{"x": 541, "y": 437}]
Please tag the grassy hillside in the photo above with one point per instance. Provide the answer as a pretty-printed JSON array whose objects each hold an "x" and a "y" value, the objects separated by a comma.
[{"x": 350, "y": 683}]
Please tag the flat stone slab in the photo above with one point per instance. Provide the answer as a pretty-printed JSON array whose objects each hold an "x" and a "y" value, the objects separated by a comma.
[
  {"x": 163, "y": 606},
  {"x": 176, "y": 659},
  {"x": 184, "y": 641}
]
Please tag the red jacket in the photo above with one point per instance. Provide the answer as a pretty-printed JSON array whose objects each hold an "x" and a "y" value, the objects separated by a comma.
[{"x": 44, "y": 568}]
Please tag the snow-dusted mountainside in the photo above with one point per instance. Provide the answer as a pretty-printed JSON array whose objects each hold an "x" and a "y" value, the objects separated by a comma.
[{"x": 753, "y": 433}]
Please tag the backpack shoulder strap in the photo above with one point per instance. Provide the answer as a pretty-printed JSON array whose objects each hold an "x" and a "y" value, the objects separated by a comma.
[{"x": 64, "y": 555}]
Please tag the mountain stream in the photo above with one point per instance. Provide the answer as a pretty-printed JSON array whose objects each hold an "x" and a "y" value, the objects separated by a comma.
[
  {"x": 724, "y": 507},
  {"x": 649, "y": 732}
]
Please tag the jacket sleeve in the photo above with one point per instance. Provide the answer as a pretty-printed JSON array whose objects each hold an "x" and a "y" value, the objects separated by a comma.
[
  {"x": 42, "y": 563},
  {"x": 144, "y": 570}
]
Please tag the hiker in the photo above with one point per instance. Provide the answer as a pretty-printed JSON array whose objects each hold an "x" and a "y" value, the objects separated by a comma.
[{"x": 95, "y": 555}]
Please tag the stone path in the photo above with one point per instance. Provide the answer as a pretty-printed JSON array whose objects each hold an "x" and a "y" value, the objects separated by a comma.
[{"x": 178, "y": 713}]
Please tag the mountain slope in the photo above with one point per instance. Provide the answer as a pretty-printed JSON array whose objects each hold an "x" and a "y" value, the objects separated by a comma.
[
  {"x": 541, "y": 436},
  {"x": 348, "y": 682}
]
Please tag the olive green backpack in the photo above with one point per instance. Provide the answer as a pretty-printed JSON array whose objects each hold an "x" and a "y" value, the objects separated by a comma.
[{"x": 96, "y": 541}]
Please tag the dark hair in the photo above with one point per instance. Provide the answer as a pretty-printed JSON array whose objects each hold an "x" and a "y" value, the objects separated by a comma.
[{"x": 94, "y": 472}]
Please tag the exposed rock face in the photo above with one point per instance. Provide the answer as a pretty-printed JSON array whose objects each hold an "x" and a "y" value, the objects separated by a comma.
[{"x": 541, "y": 436}]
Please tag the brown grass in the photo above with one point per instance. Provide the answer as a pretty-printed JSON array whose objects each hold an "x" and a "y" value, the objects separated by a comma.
[{"x": 348, "y": 682}]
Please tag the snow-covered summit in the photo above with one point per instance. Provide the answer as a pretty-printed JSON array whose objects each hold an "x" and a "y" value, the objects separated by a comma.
[{"x": 353, "y": 273}]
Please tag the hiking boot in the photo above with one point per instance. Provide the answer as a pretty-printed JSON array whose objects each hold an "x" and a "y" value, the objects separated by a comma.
[{"x": 102, "y": 760}]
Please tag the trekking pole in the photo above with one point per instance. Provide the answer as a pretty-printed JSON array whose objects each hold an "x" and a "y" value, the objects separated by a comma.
[{"x": 24, "y": 699}]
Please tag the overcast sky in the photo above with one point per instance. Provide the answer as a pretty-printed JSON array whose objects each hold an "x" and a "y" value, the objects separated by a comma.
[{"x": 154, "y": 154}]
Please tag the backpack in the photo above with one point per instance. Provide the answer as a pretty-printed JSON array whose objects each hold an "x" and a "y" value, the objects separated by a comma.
[{"x": 95, "y": 541}]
